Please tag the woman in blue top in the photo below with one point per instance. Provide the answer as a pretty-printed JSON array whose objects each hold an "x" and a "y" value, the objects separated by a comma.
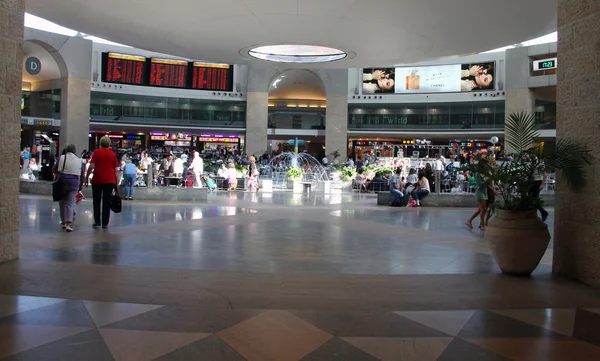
[{"x": 130, "y": 175}]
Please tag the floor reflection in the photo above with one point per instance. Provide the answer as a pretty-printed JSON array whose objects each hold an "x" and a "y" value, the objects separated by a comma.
[{"x": 39, "y": 215}]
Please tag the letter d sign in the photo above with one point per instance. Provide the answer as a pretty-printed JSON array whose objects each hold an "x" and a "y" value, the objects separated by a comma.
[{"x": 33, "y": 65}]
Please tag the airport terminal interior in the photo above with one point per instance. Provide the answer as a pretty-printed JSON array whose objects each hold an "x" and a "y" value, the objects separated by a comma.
[{"x": 297, "y": 180}]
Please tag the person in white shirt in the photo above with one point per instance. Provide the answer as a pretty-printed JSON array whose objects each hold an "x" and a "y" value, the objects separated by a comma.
[
  {"x": 439, "y": 166},
  {"x": 325, "y": 161},
  {"x": 178, "y": 167},
  {"x": 198, "y": 167},
  {"x": 351, "y": 163}
]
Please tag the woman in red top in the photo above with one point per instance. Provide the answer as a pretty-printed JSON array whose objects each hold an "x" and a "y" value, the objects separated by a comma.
[{"x": 104, "y": 166}]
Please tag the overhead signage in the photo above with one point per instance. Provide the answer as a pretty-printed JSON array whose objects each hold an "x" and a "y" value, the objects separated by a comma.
[
  {"x": 166, "y": 137},
  {"x": 430, "y": 79},
  {"x": 139, "y": 70},
  {"x": 212, "y": 76},
  {"x": 468, "y": 145},
  {"x": 40, "y": 121},
  {"x": 545, "y": 64},
  {"x": 33, "y": 65},
  {"x": 168, "y": 73},
  {"x": 124, "y": 69}
]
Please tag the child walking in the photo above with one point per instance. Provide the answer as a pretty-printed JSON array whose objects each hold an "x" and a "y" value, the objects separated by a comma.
[{"x": 232, "y": 177}]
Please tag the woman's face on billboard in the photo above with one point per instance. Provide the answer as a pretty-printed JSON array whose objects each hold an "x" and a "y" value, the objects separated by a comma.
[
  {"x": 386, "y": 84},
  {"x": 484, "y": 80}
]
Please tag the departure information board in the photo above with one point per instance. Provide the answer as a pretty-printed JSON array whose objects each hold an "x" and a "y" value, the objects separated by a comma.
[
  {"x": 212, "y": 76},
  {"x": 168, "y": 73},
  {"x": 124, "y": 69}
]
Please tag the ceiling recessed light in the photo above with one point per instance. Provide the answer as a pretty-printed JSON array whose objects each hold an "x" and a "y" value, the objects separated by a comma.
[{"x": 297, "y": 53}]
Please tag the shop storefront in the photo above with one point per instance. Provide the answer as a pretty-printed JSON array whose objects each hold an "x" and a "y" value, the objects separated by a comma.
[
  {"x": 128, "y": 142},
  {"x": 397, "y": 148},
  {"x": 218, "y": 141}
]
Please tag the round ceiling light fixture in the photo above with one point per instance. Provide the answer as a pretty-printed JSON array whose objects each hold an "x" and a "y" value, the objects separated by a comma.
[{"x": 297, "y": 53}]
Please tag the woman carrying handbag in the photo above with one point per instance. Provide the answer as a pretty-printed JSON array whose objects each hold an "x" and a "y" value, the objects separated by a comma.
[{"x": 68, "y": 178}]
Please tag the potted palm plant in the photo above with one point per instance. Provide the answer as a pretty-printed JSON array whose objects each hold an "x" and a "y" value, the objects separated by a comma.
[{"x": 518, "y": 238}]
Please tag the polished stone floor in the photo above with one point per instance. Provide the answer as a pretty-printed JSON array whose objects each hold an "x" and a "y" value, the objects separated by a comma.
[{"x": 280, "y": 277}]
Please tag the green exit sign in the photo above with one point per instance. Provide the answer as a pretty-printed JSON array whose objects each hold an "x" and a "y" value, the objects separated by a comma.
[{"x": 544, "y": 64}]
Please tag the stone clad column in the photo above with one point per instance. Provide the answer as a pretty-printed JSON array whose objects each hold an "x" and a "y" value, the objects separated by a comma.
[
  {"x": 336, "y": 132},
  {"x": 75, "y": 113},
  {"x": 577, "y": 215},
  {"x": 519, "y": 97},
  {"x": 257, "y": 111},
  {"x": 11, "y": 67}
]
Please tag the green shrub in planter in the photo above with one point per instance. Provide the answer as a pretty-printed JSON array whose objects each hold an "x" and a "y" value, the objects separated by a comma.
[
  {"x": 295, "y": 174},
  {"x": 348, "y": 174}
]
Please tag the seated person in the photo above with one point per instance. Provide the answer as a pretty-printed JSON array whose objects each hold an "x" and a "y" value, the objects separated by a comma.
[
  {"x": 361, "y": 181},
  {"x": 396, "y": 186},
  {"x": 422, "y": 190},
  {"x": 378, "y": 183}
]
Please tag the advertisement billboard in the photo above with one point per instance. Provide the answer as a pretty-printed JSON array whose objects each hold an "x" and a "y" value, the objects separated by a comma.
[{"x": 429, "y": 79}]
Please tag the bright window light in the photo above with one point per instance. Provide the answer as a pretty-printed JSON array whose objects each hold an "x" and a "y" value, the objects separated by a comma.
[
  {"x": 550, "y": 38},
  {"x": 504, "y": 48},
  {"x": 297, "y": 53},
  {"x": 35, "y": 22}
]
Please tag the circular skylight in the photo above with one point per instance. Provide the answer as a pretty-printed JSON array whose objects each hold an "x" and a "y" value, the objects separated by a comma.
[{"x": 297, "y": 53}]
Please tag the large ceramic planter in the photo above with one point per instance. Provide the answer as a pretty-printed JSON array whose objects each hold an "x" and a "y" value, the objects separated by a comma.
[{"x": 518, "y": 240}]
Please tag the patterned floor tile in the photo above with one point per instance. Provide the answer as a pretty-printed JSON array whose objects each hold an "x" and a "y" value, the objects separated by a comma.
[
  {"x": 104, "y": 313},
  {"x": 560, "y": 320},
  {"x": 587, "y": 326},
  {"x": 540, "y": 349},
  {"x": 10, "y": 305},
  {"x": 15, "y": 338},
  {"x": 68, "y": 313},
  {"x": 337, "y": 349},
  {"x": 405, "y": 349},
  {"x": 130, "y": 345},
  {"x": 184, "y": 319},
  {"x": 363, "y": 324},
  {"x": 485, "y": 324},
  {"x": 274, "y": 335},
  {"x": 460, "y": 350},
  {"x": 88, "y": 346},
  {"x": 211, "y": 348},
  {"x": 450, "y": 322}
]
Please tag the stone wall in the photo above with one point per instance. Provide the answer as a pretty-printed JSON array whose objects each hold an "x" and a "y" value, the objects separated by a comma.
[
  {"x": 11, "y": 67},
  {"x": 577, "y": 217}
]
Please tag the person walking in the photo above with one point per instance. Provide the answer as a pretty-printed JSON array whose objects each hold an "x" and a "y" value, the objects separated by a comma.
[
  {"x": 253, "y": 175},
  {"x": 105, "y": 167},
  {"x": 69, "y": 173},
  {"x": 538, "y": 182},
  {"x": 130, "y": 172},
  {"x": 198, "y": 167},
  {"x": 481, "y": 195}
]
